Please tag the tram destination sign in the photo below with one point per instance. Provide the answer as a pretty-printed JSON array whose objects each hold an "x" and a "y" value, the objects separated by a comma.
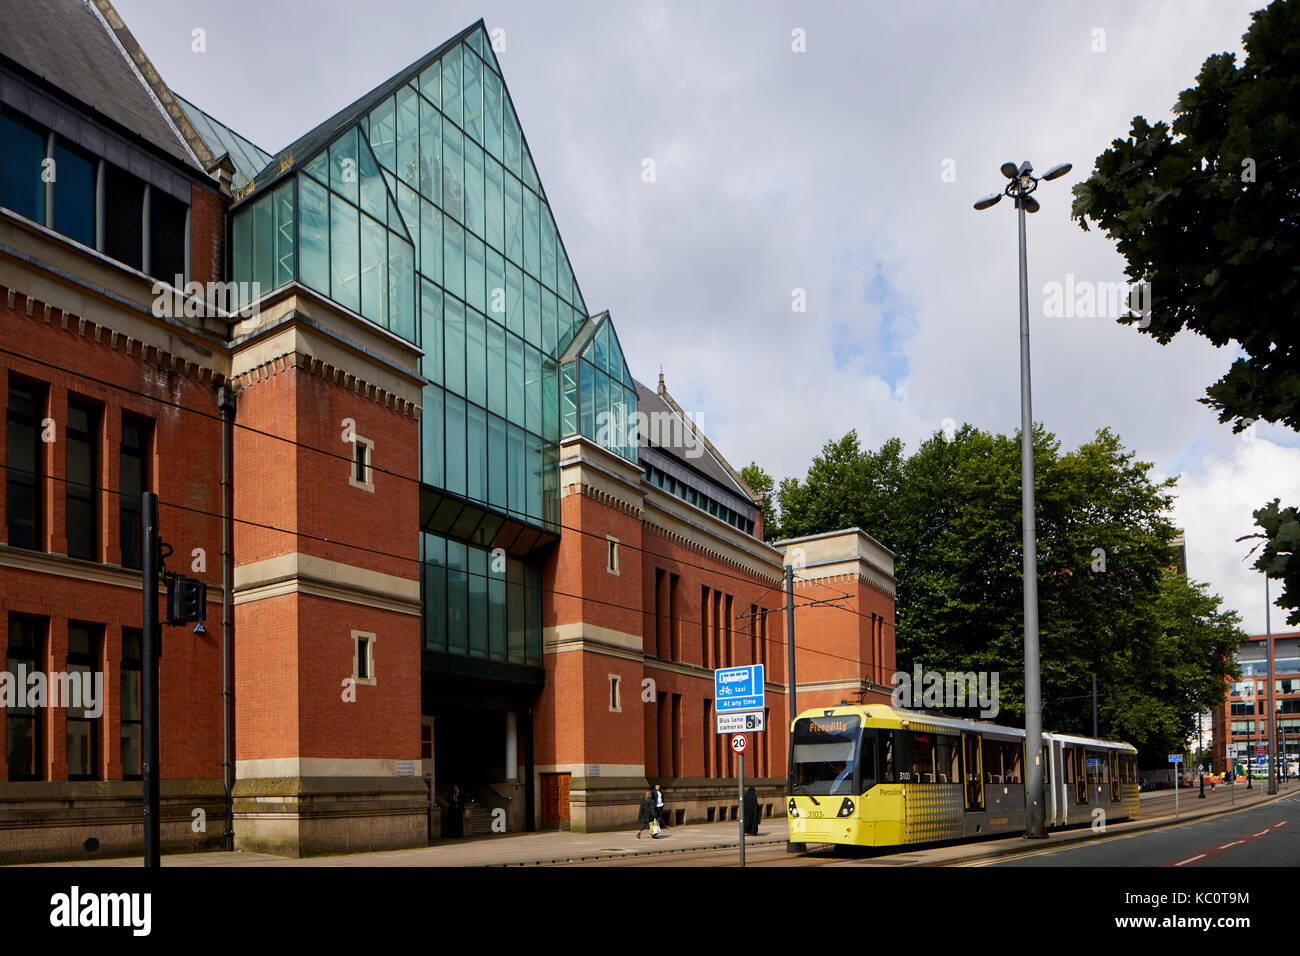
[
  {"x": 738, "y": 689},
  {"x": 740, "y": 723}
]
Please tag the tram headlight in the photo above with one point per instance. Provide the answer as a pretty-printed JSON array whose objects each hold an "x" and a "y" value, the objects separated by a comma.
[
  {"x": 794, "y": 810},
  {"x": 846, "y": 808}
]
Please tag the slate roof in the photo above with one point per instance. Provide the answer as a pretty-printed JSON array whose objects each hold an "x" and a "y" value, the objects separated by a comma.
[
  {"x": 65, "y": 43},
  {"x": 649, "y": 401}
]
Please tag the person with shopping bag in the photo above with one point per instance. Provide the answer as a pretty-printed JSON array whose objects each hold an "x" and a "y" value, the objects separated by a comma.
[{"x": 646, "y": 814}]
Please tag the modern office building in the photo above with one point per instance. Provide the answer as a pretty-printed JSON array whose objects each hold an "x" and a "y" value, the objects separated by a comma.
[
  {"x": 1240, "y": 725},
  {"x": 448, "y": 537}
]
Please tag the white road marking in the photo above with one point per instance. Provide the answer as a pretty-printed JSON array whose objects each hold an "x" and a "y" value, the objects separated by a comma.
[{"x": 1191, "y": 859}]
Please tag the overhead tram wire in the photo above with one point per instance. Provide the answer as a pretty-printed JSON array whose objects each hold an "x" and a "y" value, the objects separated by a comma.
[
  {"x": 421, "y": 563},
  {"x": 347, "y": 458}
]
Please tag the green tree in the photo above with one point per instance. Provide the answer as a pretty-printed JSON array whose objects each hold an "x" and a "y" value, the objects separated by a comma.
[
  {"x": 951, "y": 514},
  {"x": 761, "y": 483},
  {"x": 1208, "y": 213}
]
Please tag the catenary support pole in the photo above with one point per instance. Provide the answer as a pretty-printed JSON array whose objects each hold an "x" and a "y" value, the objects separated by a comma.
[
  {"x": 149, "y": 641},
  {"x": 790, "y": 696},
  {"x": 740, "y": 780}
]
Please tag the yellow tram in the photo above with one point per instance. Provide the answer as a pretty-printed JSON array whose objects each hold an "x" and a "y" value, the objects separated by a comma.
[{"x": 877, "y": 775}]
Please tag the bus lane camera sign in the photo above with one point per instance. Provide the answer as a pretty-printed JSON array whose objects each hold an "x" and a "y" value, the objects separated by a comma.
[{"x": 738, "y": 688}]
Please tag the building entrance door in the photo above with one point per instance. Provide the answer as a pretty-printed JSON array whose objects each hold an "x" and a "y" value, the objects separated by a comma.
[{"x": 555, "y": 801}]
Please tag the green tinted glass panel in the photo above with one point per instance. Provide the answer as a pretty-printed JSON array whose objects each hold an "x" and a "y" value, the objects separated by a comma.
[
  {"x": 401, "y": 287},
  {"x": 496, "y": 369},
  {"x": 453, "y": 172},
  {"x": 453, "y": 257},
  {"x": 512, "y": 139},
  {"x": 550, "y": 319},
  {"x": 532, "y": 220},
  {"x": 345, "y": 255},
  {"x": 430, "y": 241},
  {"x": 473, "y": 96},
  {"x": 548, "y": 248},
  {"x": 454, "y": 354},
  {"x": 432, "y": 448},
  {"x": 430, "y": 153},
  {"x": 475, "y": 272},
  {"x": 498, "y": 465},
  {"x": 343, "y": 165},
  {"x": 431, "y": 83},
  {"x": 496, "y": 614},
  {"x": 533, "y": 492},
  {"x": 514, "y": 299},
  {"x": 586, "y": 399},
  {"x": 451, "y": 73},
  {"x": 313, "y": 235},
  {"x": 383, "y": 134},
  {"x": 431, "y": 331},
  {"x": 408, "y": 137},
  {"x": 262, "y": 246},
  {"x": 532, "y": 311},
  {"x": 455, "y": 445},
  {"x": 319, "y": 167},
  {"x": 515, "y": 480},
  {"x": 533, "y": 390},
  {"x": 515, "y": 380},
  {"x": 374, "y": 271},
  {"x": 568, "y": 399},
  {"x": 494, "y": 203},
  {"x": 496, "y": 286},
  {"x": 492, "y": 128},
  {"x": 282, "y": 203},
  {"x": 514, "y": 212},
  {"x": 408, "y": 203},
  {"x": 374, "y": 195},
  {"x": 474, "y": 213},
  {"x": 550, "y": 400},
  {"x": 475, "y": 357},
  {"x": 476, "y": 453}
]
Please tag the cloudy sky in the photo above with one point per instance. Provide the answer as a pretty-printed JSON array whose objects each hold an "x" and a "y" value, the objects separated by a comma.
[{"x": 832, "y": 148}]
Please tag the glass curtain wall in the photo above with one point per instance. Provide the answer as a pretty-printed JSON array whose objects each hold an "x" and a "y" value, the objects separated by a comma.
[{"x": 597, "y": 395}]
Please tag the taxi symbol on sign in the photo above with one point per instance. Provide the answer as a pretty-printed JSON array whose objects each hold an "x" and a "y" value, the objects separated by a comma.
[{"x": 738, "y": 743}]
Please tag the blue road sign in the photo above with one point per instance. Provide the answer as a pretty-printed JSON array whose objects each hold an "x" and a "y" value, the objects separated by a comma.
[
  {"x": 738, "y": 688},
  {"x": 1175, "y": 758}
]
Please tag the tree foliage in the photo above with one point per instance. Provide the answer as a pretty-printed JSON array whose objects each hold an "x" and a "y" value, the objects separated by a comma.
[
  {"x": 951, "y": 513},
  {"x": 1208, "y": 212}
]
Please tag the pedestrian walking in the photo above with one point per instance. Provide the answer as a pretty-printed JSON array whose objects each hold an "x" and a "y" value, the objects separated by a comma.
[
  {"x": 751, "y": 812},
  {"x": 659, "y": 807},
  {"x": 646, "y": 814},
  {"x": 455, "y": 812}
]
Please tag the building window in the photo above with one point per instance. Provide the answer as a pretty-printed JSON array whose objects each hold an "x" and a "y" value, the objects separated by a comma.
[
  {"x": 362, "y": 473},
  {"x": 23, "y": 147},
  {"x": 136, "y": 435},
  {"x": 23, "y": 471},
  {"x": 132, "y": 671},
  {"x": 82, "y": 443},
  {"x": 611, "y": 564},
  {"x": 84, "y": 643},
  {"x": 615, "y": 694},
  {"x": 363, "y": 657},
  {"x": 74, "y": 193},
  {"x": 25, "y": 726},
  {"x": 124, "y": 217}
]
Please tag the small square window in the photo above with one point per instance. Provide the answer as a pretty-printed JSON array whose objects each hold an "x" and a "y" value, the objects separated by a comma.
[
  {"x": 362, "y": 473},
  {"x": 611, "y": 564},
  {"x": 615, "y": 694},
  {"x": 363, "y": 657}
]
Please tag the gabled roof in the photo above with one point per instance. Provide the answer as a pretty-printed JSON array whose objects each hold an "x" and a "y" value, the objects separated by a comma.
[
  {"x": 710, "y": 463},
  {"x": 248, "y": 158},
  {"x": 305, "y": 147},
  {"x": 69, "y": 46}
]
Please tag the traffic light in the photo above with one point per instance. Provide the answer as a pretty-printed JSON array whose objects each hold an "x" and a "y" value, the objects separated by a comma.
[{"x": 187, "y": 599}]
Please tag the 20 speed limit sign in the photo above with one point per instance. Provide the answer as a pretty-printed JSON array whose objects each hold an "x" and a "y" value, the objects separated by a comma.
[{"x": 738, "y": 743}]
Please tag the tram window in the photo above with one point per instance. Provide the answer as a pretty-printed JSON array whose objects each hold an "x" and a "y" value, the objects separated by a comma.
[
  {"x": 1011, "y": 753},
  {"x": 947, "y": 758},
  {"x": 923, "y": 757},
  {"x": 992, "y": 761},
  {"x": 1068, "y": 759},
  {"x": 867, "y": 760},
  {"x": 825, "y": 754},
  {"x": 887, "y": 756}
]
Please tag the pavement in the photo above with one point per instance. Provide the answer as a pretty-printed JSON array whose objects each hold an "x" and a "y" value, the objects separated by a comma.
[{"x": 559, "y": 847}]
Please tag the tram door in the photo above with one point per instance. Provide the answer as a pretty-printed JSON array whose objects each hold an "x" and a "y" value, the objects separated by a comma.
[
  {"x": 1079, "y": 758},
  {"x": 1114, "y": 777},
  {"x": 972, "y": 771}
]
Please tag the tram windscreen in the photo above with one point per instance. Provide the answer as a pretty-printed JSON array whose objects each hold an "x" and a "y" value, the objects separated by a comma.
[{"x": 826, "y": 754}]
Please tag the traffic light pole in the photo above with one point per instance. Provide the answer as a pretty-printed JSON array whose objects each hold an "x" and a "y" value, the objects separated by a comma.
[{"x": 150, "y": 639}]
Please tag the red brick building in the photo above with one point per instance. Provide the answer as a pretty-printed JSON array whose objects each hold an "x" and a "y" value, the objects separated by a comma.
[{"x": 447, "y": 538}]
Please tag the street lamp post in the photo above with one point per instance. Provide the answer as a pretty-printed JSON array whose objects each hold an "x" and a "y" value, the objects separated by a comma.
[{"x": 1022, "y": 183}]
